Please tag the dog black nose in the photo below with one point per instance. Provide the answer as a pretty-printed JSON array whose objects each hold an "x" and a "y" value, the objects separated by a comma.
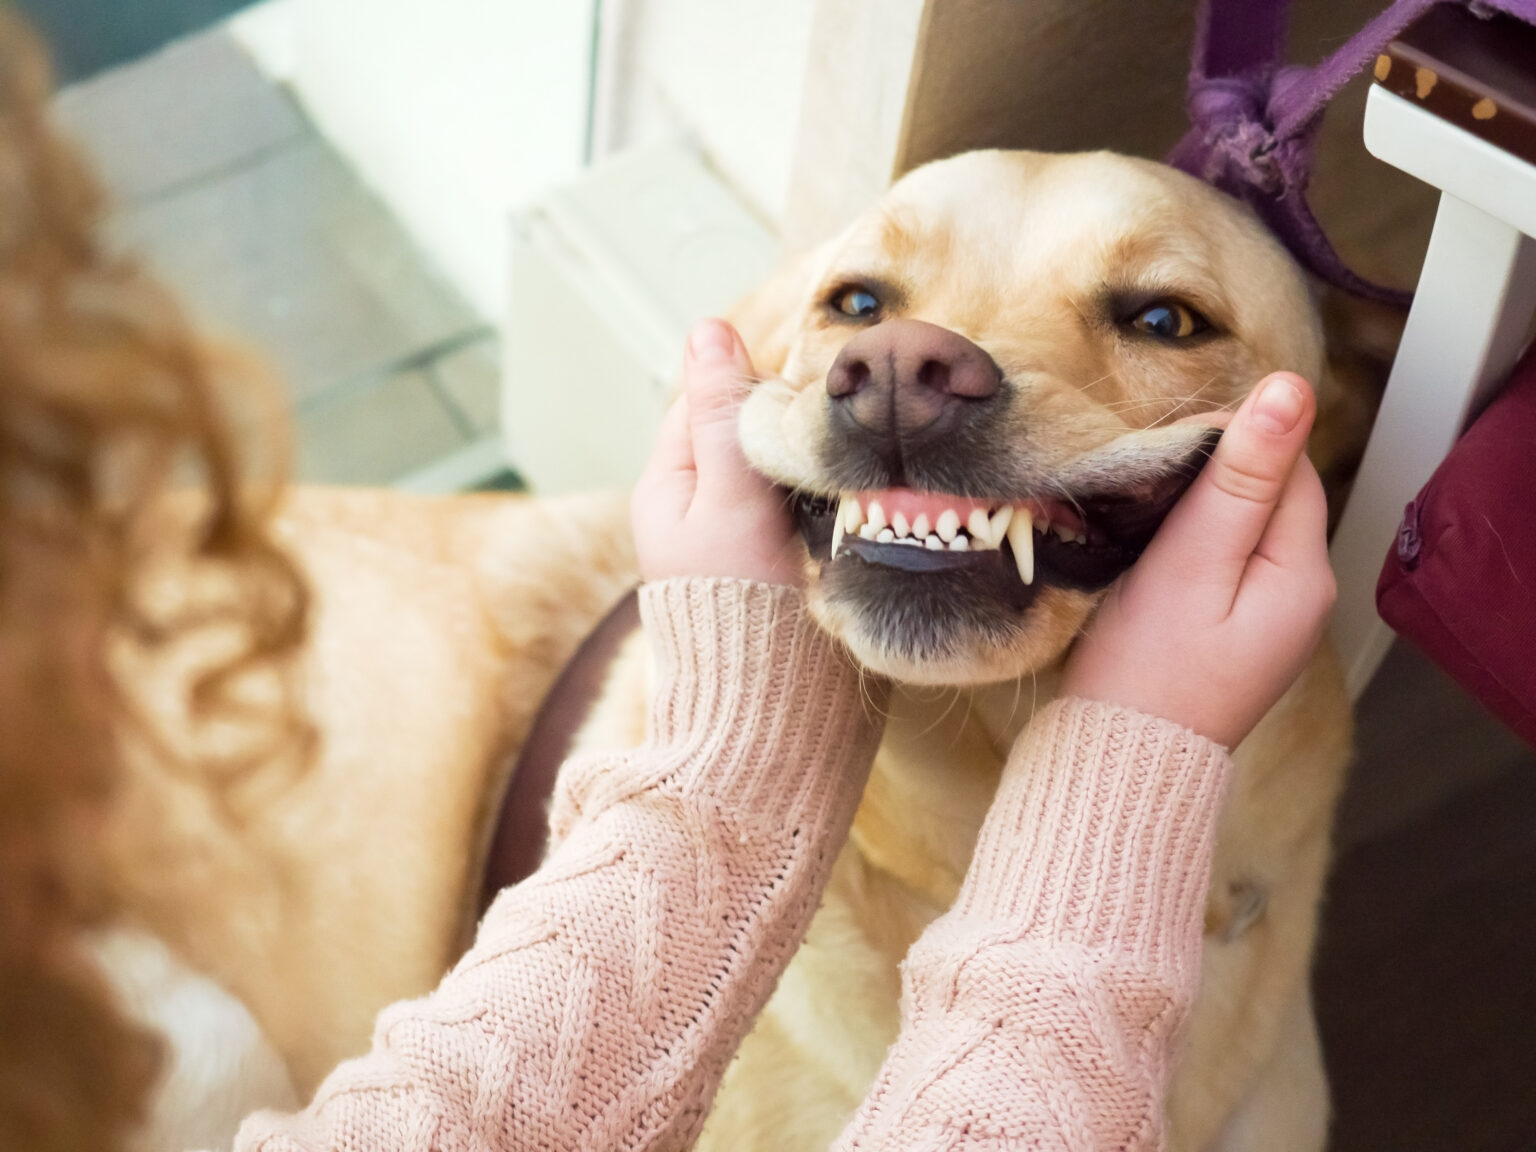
[{"x": 906, "y": 382}]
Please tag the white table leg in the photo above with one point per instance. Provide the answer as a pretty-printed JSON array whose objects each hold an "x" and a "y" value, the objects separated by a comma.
[{"x": 1476, "y": 294}]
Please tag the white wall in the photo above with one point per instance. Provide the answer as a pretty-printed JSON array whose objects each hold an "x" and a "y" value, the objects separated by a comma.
[
  {"x": 457, "y": 112},
  {"x": 454, "y": 111},
  {"x": 725, "y": 73}
]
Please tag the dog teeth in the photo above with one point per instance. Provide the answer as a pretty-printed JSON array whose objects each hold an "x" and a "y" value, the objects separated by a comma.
[
  {"x": 1015, "y": 523},
  {"x": 999, "y": 525},
  {"x": 1021, "y": 538}
]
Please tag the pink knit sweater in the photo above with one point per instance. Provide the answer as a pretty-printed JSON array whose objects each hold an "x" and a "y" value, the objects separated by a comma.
[{"x": 604, "y": 996}]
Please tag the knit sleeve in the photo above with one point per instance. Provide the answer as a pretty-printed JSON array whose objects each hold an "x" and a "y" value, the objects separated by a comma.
[
  {"x": 604, "y": 996},
  {"x": 1043, "y": 1009}
]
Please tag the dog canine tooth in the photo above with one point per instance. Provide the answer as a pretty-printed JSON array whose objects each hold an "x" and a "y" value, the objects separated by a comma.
[
  {"x": 837, "y": 536},
  {"x": 1021, "y": 538},
  {"x": 948, "y": 525},
  {"x": 979, "y": 528},
  {"x": 899, "y": 523},
  {"x": 884, "y": 536},
  {"x": 999, "y": 525},
  {"x": 920, "y": 526},
  {"x": 933, "y": 544},
  {"x": 960, "y": 544}
]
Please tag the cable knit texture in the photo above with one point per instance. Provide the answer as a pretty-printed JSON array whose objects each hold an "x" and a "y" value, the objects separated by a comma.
[
  {"x": 604, "y": 996},
  {"x": 1041, "y": 1011}
]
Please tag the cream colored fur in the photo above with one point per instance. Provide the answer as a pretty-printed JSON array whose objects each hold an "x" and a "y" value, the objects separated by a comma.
[{"x": 1008, "y": 249}]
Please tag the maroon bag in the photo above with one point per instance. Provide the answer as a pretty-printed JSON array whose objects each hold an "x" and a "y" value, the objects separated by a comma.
[{"x": 1461, "y": 582}]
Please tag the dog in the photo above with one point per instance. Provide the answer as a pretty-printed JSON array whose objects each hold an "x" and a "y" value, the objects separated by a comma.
[
  {"x": 984, "y": 395},
  {"x": 979, "y": 394}
]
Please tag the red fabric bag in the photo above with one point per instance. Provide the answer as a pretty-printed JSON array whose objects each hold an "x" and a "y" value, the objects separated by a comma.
[{"x": 1461, "y": 581}]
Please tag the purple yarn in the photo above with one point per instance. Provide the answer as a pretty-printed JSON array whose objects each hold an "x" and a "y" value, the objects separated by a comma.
[{"x": 1253, "y": 119}]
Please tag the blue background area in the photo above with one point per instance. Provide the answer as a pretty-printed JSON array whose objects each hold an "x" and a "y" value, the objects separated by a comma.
[{"x": 90, "y": 35}]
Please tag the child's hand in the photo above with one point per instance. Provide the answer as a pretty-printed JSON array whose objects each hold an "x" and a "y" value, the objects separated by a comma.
[
  {"x": 698, "y": 509},
  {"x": 1223, "y": 610}
]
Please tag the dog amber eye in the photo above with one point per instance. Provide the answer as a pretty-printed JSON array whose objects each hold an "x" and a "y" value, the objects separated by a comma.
[
  {"x": 1170, "y": 320},
  {"x": 860, "y": 303}
]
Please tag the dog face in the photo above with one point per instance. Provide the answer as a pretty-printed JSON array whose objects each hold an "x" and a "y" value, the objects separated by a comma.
[{"x": 984, "y": 397}]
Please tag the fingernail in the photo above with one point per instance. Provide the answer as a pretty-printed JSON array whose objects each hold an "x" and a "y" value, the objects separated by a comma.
[
  {"x": 1278, "y": 406},
  {"x": 711, "y": 341}
]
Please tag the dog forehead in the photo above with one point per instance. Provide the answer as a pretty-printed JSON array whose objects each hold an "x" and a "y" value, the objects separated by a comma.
[{"x": 1091, "y": 214}]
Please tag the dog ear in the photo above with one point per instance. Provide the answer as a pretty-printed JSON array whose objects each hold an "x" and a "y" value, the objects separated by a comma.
[
  {"x": 769, "y": 316},
  {"x": 1362, "y": 340}
]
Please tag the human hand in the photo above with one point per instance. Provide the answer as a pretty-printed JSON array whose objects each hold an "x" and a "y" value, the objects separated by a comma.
[
  {"x": 699, "y": 510},
  {"x": 1223, "y": 610}
]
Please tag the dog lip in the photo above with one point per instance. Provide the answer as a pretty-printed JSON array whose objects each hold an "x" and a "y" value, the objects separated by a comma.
[{"x": 910, "y": 559}]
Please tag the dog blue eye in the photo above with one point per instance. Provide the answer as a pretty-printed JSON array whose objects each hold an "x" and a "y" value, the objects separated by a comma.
[
  {"x": 1170, "y": 320},
  {"x": 856, "y": 302}
]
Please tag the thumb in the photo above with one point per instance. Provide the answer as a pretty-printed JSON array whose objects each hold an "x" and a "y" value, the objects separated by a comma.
[
  {"x": 1228, "y": 507},
  {"x": 716, "y": 370}
]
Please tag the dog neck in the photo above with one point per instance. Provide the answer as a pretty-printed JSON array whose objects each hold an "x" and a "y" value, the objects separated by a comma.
[{"x": 935, "y": 775}]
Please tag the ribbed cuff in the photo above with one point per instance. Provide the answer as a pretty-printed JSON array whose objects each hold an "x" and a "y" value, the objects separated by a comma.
[
  {"x": 1102, "y": 833},
  {"x": 767, "y": 713}
]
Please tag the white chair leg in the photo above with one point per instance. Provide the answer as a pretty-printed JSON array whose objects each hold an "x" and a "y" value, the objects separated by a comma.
[{"x": 1476, "y": 295}]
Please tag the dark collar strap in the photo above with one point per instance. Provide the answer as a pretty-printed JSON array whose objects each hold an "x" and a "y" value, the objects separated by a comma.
[{"x": 522, "y": 824}]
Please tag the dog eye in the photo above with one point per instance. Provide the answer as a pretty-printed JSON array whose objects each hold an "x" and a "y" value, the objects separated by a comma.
[
  {"x": 860, "y": 303},
  {"x": 1169, "y": 320}
]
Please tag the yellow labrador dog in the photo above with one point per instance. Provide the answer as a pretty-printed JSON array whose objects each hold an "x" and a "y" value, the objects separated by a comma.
[{"x": 976, "y": 394}]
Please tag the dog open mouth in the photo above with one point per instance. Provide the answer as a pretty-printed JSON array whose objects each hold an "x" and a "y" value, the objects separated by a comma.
[{"x": 1007, "y": 548}]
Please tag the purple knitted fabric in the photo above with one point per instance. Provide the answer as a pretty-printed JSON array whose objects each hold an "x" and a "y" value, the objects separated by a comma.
[{"x": 1253, "y": 119}]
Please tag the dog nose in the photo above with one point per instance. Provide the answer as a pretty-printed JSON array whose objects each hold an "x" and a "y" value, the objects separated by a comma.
[{"x": 906, "y": 380}]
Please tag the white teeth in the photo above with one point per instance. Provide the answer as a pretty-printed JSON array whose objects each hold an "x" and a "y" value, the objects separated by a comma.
[
  {"x": 899, "y": 523},
  {"x": 1021, "y": 538},
  {"x": 884, "y": 536},
  {"x": 867, "y": 531},
  {"x": 934, "y": 544},
  {"x": 837, "y": 535},
  {"x": 999, "y": 525},
  {"x": 1061, "y": 531},
  {"x": 909, "y": 542},
  {"x": 978, "y": 527},
  {"x": 960, "y": 544},
  {"x": 876, "y": 516},
  {"x": 948, "y": 525},
  {"x": 920, "y": 526},
  {"x": 852, "y": 515}
]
